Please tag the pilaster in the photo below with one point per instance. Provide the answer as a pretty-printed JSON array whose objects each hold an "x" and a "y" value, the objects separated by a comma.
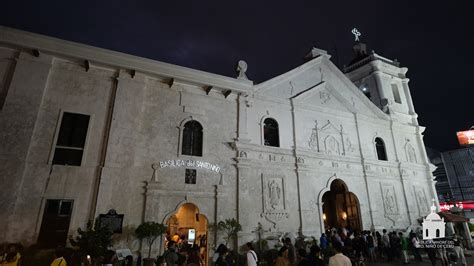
[{"x": 18, "y": 121}]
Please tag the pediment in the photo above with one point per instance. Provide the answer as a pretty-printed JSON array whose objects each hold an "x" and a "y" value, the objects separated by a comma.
[
  {"x": 320, "y": 84},
  {"x": 323, "y": 95}
]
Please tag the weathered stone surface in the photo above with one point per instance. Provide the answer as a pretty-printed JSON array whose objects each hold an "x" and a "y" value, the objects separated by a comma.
[{"x": 327, "y": 129}]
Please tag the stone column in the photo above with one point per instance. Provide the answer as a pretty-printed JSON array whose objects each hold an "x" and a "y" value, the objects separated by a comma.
[
  {"x": 18, "y": 121},
  {"x": 126, "y": 120},
  {"x": 245, "y": 205},
  {"x": 243, "y": 103},
  {"x": 362, "y": 161},
  {"x": 402, "y": 180},
  {"x": 223, "y": 211},
  {"x": 406, "y": 89},
  {"x": 309, "y": 213},
  {"x": 123, "y": 136},
  {"x": 380, "y": 88},
  {"x": 426, "y": 161}
]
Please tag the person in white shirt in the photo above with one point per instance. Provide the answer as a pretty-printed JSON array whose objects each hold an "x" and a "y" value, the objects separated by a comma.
[
  {"x": 251, "y": 255},
  {"x": 339, "y": 259}
]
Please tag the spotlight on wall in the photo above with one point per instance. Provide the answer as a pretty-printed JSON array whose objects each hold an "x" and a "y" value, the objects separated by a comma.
[
  {"x": 344, "y": 215},
  {"x": 324, "y": 216}
]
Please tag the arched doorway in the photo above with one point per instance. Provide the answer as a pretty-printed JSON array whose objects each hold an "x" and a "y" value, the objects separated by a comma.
[
  {"x": 341, "y": 207},
  {"x": 188, "y": 227}
]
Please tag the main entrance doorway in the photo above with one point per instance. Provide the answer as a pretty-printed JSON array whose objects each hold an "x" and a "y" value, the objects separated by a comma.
[
  {"x": 188, "y": 228},
  {"x": 341, "y": 207}
]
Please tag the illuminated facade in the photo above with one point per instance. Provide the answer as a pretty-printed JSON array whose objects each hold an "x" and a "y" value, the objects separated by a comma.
[{"x": 85, "y": 130}]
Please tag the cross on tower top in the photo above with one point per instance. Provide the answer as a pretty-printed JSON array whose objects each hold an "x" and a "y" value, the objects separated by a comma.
[{"x": 356, "y": 34}]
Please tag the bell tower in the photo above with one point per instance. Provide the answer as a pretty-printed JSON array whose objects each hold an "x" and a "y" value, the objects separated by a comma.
[{"x": 383, "y": 81}]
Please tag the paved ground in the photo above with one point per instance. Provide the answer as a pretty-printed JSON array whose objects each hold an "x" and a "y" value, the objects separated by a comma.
[{"x": 426, "y": 261}]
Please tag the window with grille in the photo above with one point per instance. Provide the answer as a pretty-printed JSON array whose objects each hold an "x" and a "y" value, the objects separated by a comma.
[
  {"x": 190, "y": 176},
  {"x": 192, "y": 139}
]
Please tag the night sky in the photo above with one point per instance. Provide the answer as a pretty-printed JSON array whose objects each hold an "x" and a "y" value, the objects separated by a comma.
[{"x": 435, "y": 42}]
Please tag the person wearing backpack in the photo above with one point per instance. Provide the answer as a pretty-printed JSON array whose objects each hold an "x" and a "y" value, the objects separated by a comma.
[{"x": 251, "y": 255}]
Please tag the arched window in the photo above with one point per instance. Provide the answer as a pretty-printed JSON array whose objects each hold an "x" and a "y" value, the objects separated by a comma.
[
  {"x": 192, "y": 139},
  {"x": 380, "y": 147},
  {"x": 427, "y": 233},
  {"x": 437, "y": 233},
  {"x": 270, "y": 133}
]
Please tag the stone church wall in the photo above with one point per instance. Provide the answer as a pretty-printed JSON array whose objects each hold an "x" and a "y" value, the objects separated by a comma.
[{"x": 327, "y": 132}]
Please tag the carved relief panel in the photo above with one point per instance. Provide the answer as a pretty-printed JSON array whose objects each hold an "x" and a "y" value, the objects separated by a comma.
[
  {"x": 410, "y": 152},
  {"x": 329, "y": 138},
  {"x": 390, "y": 203},
  {"x": 421, "y": 201},
  {"x": 331, "y": 145},
  {"x": 273, "y": 193}
]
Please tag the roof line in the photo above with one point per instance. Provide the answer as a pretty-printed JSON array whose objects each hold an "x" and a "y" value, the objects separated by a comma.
[{"x": 61, "y": 47}]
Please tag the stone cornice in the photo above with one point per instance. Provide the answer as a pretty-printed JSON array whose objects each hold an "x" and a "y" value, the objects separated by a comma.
[
  {"x": 267, "y": 85},
  {"x": 26, "y": 40},
  {"x": 260, "y": 148},
  {"x": 172, "y": 190},
  {"x": 327, "y": 110},
  {"x": 307, "y": 153}
]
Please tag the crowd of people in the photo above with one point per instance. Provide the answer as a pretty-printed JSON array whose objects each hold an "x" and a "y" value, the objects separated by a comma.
[
  {"x": 61, "y": 257},
  {"x": 389, "y": 246},
  {"x": 181, "y": 251},
  {"x": 346, "y": 247},
  {"x": 336, "y": 247}
]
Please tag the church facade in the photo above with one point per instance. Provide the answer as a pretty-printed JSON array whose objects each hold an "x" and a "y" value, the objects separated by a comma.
[{"x": 85, "y": 130}]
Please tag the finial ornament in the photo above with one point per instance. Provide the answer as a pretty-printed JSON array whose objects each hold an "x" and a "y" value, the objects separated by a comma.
[
  {"x": 242, "y": 68},
  {"x": 433, "y": 207},
  {"x": 356, "y": 34}
]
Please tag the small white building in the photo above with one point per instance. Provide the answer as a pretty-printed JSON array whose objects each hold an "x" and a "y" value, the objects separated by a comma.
[{"x": 433, "y": 225}]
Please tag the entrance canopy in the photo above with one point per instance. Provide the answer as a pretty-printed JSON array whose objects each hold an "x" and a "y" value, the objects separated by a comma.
[{"x": 449, "y": 217}]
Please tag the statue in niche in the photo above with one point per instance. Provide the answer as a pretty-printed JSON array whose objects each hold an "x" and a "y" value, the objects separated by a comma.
[
  {"x": 390, "y": 203},
  {"x": 411, "y": 154},
  {"x": 332, "y": 145},
  {"x": 274, "y": 194},
  {"x": 350, "y": 148},
  {"x": 313, "y": 141}
]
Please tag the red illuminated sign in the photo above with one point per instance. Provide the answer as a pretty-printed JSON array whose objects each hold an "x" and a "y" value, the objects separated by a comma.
[
  {"x": 465, "y": 137},
  {"x": 464, "y": 205}
]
